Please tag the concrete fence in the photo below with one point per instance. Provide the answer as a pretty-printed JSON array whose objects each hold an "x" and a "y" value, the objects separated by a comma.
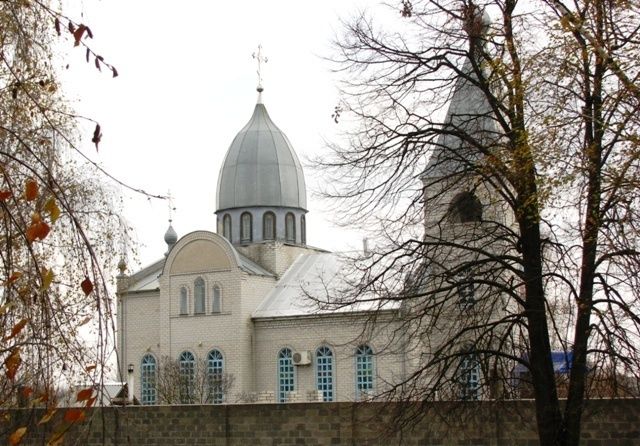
[{"x": 512, "y": 423}]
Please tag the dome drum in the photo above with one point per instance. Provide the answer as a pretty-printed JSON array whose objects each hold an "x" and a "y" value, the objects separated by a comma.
[{"x": 242, "y": 226}]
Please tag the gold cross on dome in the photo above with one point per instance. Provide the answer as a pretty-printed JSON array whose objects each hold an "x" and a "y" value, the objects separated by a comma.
[{"x": 260, "y": 58}]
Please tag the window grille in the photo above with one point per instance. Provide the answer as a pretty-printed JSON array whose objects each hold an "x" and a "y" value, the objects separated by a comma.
[
  {"x": 148, "y": 393},
  {"x": 364, "y": 371},
  {"x": 324, "y": 372},
  {"x": 187, "y": 377},
  {"x": 215, "y": 377},
  {"x": 286, "y": 374}
]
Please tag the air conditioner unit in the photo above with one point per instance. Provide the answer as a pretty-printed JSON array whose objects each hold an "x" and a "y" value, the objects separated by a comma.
[{"x": 302, "y": 358}]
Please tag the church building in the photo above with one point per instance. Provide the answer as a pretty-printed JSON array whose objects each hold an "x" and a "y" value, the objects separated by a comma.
[
  {"x": 236, "y": 301},
  {"x": 233, "y": 312}
]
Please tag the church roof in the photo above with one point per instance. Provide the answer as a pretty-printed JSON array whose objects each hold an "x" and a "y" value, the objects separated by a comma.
[
  {"x": 470, "y": 122},
  {"x": 311, "y": 281},
  {"x": 261, "y": 168},
  {"x": 469, "y": 116},
  {"x": 147, "y": 278}
]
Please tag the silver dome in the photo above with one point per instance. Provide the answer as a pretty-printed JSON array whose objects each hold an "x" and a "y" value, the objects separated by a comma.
[
  {"x": 170, "y": 237},
  {"x": 261, "y": 168}
]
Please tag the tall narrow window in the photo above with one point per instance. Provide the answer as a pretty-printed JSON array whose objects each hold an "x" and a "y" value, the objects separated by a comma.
[
  {"x": 246, "y": 227},
  {"x": 469, "y": 377},
  {"x": 364, "y": 371},
  {"x": 324, "y": 372},
  {"x": 198, "y": 294},
  {"x": 286, "y": 372},
  {"x": 187, "y": 377},
  {"x": 216, "y": 306},
  {"x": 466, "y": 291},
  {"x": 290, "y": 227},
  {"x": 269, "y": 226},
  {"x": 303, "y": 230},
  {"x": 148, "y": 393},
  {"x": 226, "y": 226},
  {"x": 184, "y": 301},
  {"x": 215, "y": 377}
]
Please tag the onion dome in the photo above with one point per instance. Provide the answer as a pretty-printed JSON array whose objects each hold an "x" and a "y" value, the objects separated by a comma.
[
  {"x": 170, "y": 238},
  {"x": 261, "y": 168}
]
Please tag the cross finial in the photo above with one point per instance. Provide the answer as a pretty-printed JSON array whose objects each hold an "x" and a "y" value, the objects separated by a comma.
[
  {"x": 171, "y": 206},
  {"x": 260, "y": 58}
]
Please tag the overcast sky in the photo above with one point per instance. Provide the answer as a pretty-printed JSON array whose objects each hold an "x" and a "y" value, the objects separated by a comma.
[{"x": 187, "y": 86}]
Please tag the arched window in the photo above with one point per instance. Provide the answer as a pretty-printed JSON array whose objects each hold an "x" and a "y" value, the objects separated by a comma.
[
  {"x": 286, "y": 372},
  {"x": 246, "y": 227},
  {"x": 269, "y": 226},
  {"x": 324, "y": 372},
  {"x": 290, "y": 227},
  {"x": 187, "y": 377},
  {"x": 303, "y": 230},
  {"x": 469, "y": 377},
  {"x": 226, "y": 226},
  {"x": 215, "y": 377},
  {"x": 364, "y": 371},
  {"x": 216, "y": 304},
  {"x": 465, "y": 208},
  {"x": 148, "y": 393},
  {"x": 184, "y": 300},
  {"x": 198, "y": 294}
]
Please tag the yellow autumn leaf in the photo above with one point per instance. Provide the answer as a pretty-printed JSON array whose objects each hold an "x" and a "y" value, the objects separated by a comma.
[
  {"x": 47, "y": 278},
  {"x": 47, "y": 416},
  {"x": 4, "y": 308},
  {"x": 52, "y": 208}
]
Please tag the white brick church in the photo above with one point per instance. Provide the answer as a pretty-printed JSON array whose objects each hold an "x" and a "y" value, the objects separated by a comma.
[{"x": 236, "y": 301}]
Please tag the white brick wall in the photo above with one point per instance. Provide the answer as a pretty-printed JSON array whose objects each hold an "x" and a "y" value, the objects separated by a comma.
[
  {"x": 341, "y": 333},
  {"x": 151, "y": 322}
]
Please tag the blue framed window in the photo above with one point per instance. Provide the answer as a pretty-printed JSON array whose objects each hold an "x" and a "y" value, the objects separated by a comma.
[
  {"x": 184, "y": 300},
  {"x": 466, "y": 290},
  {"x": 364, "y": 371},
  {"x": 286, "y": 374},
  {"x": 215, "y": 377},
  {"x": 187, "y": 377},
  {"x": 469, "y": 377},
  {"x": 198, "y": 295},
  {"x": 216, "y": 302},
  {"x": 324, "y": 372},
  {"x": 148, "y": 393}
]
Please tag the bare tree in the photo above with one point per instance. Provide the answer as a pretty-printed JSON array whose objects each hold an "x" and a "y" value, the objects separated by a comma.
[
  {"x": 58, "y": 228},
  {"x": 195, "y": 383},
  {"x": 507, "y": 227}
]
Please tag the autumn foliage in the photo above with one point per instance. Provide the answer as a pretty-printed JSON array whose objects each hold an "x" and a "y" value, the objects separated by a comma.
[{"x": 58, "y": 231}]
